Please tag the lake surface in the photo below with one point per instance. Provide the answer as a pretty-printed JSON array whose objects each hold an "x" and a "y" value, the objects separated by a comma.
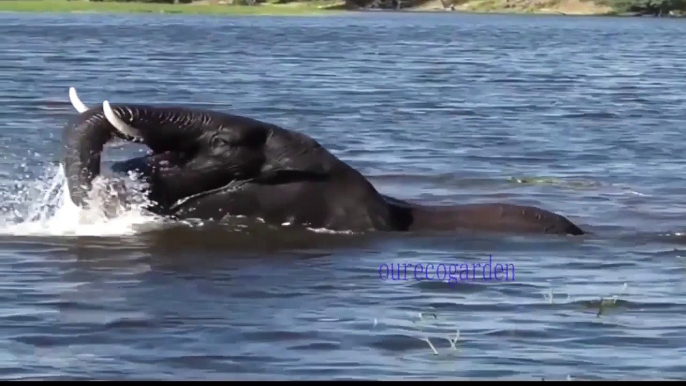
[{"x": 582, "y": 116}]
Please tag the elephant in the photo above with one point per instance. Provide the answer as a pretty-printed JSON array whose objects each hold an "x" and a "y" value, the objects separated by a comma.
[{"x": 208, "y": 165}]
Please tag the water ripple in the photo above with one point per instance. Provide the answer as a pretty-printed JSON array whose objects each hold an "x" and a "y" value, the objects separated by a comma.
[{"x": 582, "y": 116}]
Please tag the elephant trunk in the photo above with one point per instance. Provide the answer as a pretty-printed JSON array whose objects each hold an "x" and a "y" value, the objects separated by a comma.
[
  {"x": 160, "y": 128},
  {"x": 83, "y": 140}
]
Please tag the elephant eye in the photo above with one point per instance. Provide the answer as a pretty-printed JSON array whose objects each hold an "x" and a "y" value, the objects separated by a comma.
[{"x": 218, "y": 141}]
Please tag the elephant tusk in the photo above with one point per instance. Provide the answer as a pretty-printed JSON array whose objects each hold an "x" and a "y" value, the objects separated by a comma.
[
  {"x": 75, "y": 101},
  {"x": 120, "y": 125}
]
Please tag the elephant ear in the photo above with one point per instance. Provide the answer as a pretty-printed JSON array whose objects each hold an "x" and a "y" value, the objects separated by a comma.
[{"x": 291, "y": 153}]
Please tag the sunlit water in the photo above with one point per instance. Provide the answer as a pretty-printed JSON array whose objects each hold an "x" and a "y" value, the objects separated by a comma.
[{"x": 583, "y": 116}]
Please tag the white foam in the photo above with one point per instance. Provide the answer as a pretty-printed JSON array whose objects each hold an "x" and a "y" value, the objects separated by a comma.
[{"x": 45, "y": 209}]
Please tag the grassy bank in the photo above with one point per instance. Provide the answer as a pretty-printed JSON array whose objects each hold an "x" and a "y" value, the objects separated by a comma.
[
  {"x": 198, "y": 8},
  {"x": 321, "y": 7}
]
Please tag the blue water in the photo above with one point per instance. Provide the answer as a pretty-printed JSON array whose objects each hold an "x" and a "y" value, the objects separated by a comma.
[{"x": 582, "y": 116}]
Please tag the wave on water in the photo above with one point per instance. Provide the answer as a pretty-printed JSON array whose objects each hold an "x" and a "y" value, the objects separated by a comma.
[
  {"x": 116, "y": 207},
  {"x": 42, "y": 207}
]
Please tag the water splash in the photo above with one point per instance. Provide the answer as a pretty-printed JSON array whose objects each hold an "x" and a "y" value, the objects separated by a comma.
[{"x": 42, "y": 207}]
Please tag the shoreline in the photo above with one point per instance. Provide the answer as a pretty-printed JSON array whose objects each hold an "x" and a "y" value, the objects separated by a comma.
[{"x": 311, "y": 8}]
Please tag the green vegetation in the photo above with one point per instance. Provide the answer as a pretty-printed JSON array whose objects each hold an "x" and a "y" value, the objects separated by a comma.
[
  {"x": 182, "y": 6},
  {"x": 314, "y": 7}
]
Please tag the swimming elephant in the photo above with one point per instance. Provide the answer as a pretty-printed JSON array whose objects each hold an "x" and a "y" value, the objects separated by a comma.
[{"x": 207, "y": 165}]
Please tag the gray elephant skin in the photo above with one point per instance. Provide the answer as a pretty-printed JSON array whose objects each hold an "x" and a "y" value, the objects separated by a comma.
[{"x": 208, "y": 165}]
